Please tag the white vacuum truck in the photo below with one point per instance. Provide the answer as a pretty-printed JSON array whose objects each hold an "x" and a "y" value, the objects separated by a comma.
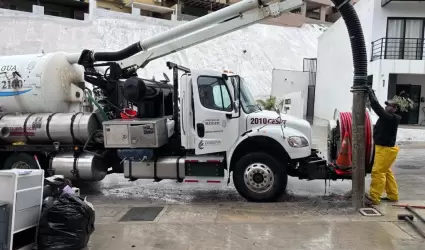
[{"x": 202, "y": 127}]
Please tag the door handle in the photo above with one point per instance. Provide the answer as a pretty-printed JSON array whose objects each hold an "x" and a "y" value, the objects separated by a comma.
[{"x": 200, "y": 129}]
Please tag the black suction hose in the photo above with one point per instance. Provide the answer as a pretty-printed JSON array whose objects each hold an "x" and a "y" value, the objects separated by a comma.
[
  {"x": 358, "y": 46},
  {"x": 117, "y": 55},
  {"x": 89, "y": 57},
  {"x": 358, "y": 49}
]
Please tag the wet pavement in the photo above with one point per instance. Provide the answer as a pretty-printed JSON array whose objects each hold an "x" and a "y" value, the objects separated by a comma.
[{"x": 311, "y": 215}]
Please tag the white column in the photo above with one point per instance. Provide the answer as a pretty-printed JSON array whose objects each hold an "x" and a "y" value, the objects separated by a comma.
[
  {"x": 92, "y": 9},
  {"x": 323, "y": 10},
  {"x": 304, "y": 10},
  {"x": 135, "y": 11},
  {"x": 38, "y": 10}
]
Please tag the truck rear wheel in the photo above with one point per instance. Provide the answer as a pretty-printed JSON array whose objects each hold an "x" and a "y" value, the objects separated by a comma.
[
  {"x": 20, "y": 161},
  {"x": 259, "y": 177}
]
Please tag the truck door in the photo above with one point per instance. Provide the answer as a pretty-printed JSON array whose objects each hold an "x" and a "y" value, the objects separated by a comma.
[{"x": 216, "y": 129}]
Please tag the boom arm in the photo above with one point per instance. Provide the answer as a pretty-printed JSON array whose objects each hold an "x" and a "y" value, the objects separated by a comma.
[
  {"x": 88, "y": 57},
  {"x": 240, "y": 21}
]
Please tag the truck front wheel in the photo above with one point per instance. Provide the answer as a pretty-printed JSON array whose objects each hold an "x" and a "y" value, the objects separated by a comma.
[{"x": 259, "y": 177}]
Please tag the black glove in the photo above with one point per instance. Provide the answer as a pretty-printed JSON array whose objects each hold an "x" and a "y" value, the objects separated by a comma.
[{"x": 370, "y": 91}]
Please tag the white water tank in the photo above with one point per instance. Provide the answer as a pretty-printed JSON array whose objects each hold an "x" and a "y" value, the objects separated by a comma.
[{"x": 39, "y": 83}]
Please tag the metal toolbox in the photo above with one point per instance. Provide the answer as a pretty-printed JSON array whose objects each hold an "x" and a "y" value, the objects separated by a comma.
[{"x": 135, "y": 133}]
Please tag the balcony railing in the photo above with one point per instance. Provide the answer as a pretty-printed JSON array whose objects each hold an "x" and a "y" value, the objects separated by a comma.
[
  {"x": 385, "y": 2},
  {"x": 398, "y": 49}
]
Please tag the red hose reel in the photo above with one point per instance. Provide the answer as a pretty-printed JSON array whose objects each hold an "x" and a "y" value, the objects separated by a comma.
[{"x": 343, "y": 124}]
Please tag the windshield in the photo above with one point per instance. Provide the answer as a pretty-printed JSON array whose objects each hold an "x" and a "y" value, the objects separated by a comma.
[{"x": 248, "y": 103}]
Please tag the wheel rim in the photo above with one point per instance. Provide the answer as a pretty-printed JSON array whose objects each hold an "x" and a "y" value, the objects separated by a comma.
[
  {"x": 258, "y": 177},
  {"x": 21, "y": 165}
]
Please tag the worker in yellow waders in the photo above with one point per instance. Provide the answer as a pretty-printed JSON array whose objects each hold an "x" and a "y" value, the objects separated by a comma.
[{"x": 384, "y": 136}]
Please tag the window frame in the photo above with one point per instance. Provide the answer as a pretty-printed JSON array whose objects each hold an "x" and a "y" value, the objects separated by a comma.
[
  {"x": 222, "y": 100},
  {"x": 404, "y": 19}
]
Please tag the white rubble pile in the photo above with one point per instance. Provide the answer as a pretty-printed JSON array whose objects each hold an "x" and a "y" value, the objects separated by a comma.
[{"x": 252, "y": 52}]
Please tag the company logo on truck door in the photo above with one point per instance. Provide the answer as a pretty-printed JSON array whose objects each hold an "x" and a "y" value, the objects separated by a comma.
[
  {"x": 11, "y": 82},
  {"x": 267, "y": 121},
  {"x": 214, "y": 125},
  {"x": 205, "y": 143}
]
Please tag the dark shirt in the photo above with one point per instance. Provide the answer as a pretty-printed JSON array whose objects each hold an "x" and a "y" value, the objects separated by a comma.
[{"x": 385, "y": 131}]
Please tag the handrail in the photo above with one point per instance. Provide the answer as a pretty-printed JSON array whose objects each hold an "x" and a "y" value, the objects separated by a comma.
[{"x": 398, "y": 49}]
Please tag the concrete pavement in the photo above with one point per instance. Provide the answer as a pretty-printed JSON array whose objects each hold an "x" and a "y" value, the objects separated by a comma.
[
  {"x": 253, "y": 226},
  {"x": 168, "y": 215}
]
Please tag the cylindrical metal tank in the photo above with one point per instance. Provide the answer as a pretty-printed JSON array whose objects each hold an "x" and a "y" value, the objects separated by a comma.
[
  {"x": 39, "y": 83},
  {"x": 86, "y": 167},
  {"x": 50, "y": 127}
]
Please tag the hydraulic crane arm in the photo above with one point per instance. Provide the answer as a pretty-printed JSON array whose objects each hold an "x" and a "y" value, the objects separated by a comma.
[
  {"x": 240, "y": 21},
  {"x": 88, "y": 57}
]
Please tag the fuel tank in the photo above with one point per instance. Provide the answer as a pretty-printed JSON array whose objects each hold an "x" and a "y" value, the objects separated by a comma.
[{"x": 39, "y": 83}]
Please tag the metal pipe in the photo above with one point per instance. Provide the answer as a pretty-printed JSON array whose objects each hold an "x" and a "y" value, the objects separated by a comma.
[
  {"x": 408, "y": 208},
  {"x": 202, "y": 22},
  {"x": 4, "y": 130},
  {"x": 358, "y": 145},
  {"x": 358, "y": 50},
  {"x": 409, "y": 219},
  {"x": 231, "y": 11}
]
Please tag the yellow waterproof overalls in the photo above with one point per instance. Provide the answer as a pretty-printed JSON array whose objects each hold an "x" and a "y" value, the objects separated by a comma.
[{"x": 382, "y": 176}]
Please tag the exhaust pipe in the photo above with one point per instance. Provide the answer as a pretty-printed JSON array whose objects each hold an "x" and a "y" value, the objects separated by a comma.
[{"x": 4, "y": 131}]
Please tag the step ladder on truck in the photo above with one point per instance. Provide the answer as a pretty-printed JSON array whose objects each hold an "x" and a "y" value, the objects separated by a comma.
[{"x": 204, "y": 126}]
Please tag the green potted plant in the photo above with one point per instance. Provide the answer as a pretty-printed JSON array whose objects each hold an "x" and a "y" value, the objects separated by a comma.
[
  {"x": 271, "y": 103},
  {"x": 404, "y": 101}
]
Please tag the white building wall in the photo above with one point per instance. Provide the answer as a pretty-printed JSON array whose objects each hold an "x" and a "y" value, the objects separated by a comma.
[
  {"x": 285, "y": 82},
  {"x": 335, "y": 63},
  {"x": 252, "y": 52},
  {"x": 393, "y": 9},
  {"x": 380, "y": 69}
]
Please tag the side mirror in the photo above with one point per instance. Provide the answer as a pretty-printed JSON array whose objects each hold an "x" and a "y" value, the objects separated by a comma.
[{"x": 279, "y": 106}]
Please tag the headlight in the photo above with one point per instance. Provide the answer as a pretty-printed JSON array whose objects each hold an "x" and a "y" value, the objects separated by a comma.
[{"x": 297, "y": 141}]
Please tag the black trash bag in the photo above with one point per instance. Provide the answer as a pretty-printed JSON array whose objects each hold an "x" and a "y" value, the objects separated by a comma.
[
  {"x": 66, "y": 223},
  {"x": 54, "y": 187}
]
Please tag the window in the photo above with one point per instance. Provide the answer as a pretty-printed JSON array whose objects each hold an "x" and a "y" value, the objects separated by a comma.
[
  {"x": 213, "y": 93},
  {"x": 248, "y": 102},
  {"x": 405, "y": 38}
]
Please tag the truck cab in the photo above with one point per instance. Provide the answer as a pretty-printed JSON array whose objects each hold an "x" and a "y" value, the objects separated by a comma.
[
  {"x": 218, "y": 115},
  {"x": 218, "y": 112}
]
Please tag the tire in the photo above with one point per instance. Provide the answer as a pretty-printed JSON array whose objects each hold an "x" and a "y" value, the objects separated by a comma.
[
  {"x": 257, "y": 189},
  {"x": 26, "y": 161}
]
